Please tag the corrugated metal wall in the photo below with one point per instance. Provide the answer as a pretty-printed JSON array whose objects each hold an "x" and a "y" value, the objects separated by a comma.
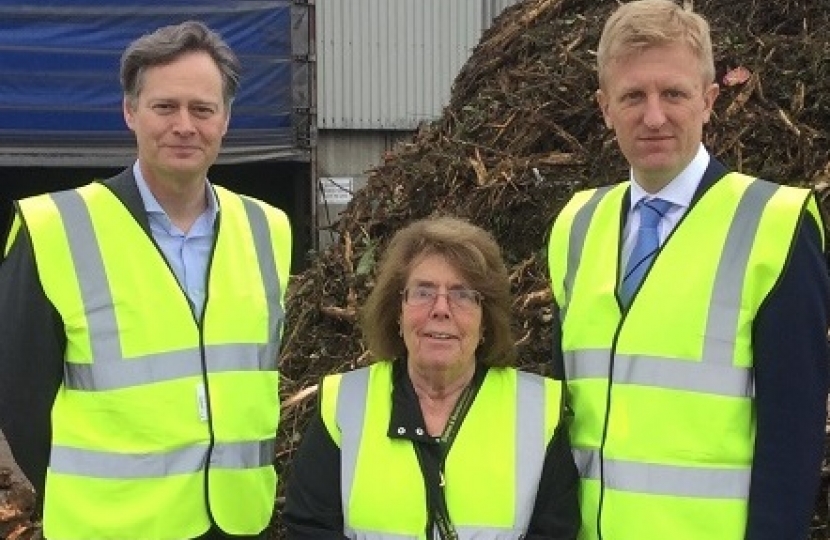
[
  {"x": 390, "y": 64},
  {"x": 490, "y": 9}
]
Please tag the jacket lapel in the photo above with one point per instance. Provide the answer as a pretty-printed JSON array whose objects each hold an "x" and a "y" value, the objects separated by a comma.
[{"x": 124, "y": 187}]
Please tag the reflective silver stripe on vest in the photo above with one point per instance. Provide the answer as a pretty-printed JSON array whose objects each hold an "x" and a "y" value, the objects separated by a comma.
[
  {"x": 92, "y": 278},
  {"x": 369, "y": 535},
  {"x": 351, "y": 406},
  {"x": 715, "y": 372},
  {"x": 576, "y": 240},
  {"x": 703, "y": 377},
  {"x": 243, "y": 455},
  {"x": 530, "y": 450},
  {"x": 97, "y": 464},
  {"x": 653, "y": 478},
  {"x": 722, "y": 326},
  {"x": 471, "y": 533},
  {"x": 464, "y": 533},
  {"x": 109, "y": 375},
  {"x": 109, "y": 369},
  {"x": 268, "y": 270}
]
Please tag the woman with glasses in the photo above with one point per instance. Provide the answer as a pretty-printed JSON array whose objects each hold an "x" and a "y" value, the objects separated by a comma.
[{"x": 439, "y": 437}]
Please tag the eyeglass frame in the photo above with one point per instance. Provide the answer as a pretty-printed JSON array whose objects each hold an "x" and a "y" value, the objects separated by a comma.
[{"x": 478, "y": 297}]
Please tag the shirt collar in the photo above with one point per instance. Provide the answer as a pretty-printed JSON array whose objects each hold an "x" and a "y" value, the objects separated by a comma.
[
  {"x": 152, "y": 206},
  {"x": 682, "y": 188}
]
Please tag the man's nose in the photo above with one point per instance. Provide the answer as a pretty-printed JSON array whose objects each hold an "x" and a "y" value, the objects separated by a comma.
[
  {"x": 654, "y": 116},
  {"x": 184, "y": 122}
]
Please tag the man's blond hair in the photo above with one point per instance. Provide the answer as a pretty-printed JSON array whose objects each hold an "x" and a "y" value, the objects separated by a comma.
[{"x": 641, "y": 24}]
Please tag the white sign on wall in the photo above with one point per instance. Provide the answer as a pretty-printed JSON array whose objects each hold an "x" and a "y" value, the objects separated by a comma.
[{"x": 336, "y": 189}]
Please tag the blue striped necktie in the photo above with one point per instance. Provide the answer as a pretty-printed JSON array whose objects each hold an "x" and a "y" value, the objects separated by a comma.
[{"x": 645, "y": 246}]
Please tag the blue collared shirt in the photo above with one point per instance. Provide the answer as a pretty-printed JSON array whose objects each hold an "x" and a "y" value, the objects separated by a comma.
[{"x": 187, "y": 253}]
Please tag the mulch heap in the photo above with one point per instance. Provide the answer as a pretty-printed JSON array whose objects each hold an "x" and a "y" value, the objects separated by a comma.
[
  {"x": 17, "y": 500},
  {"x": 525, "y": 101}
]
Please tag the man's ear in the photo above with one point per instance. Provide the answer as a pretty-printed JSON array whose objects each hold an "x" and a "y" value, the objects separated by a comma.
[
  {"x": 602, "y": 101},
  {"x": 709, "y": 97},
  {"x": 128, "y": 113},
  {"x": 227, "y": 121}
]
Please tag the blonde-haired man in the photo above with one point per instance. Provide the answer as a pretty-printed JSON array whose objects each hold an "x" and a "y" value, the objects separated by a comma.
[{"x": 696, "y": 356}]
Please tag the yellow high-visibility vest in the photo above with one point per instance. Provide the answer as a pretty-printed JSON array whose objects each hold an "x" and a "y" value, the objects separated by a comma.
[
  {"x": 662, "y": 393},
  {"x": 161, "y": 423},
  {"x": 499, "y": 452}
]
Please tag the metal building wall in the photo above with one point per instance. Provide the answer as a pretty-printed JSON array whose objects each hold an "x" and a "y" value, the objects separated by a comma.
[
  {"x": 390, "y": 64},
  {"x": 383, "y": 66},
  {"x": 490, "y": 9}
]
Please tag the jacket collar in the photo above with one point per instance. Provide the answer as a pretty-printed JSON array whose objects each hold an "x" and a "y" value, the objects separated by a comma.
[{"x": 124, "y": 187}]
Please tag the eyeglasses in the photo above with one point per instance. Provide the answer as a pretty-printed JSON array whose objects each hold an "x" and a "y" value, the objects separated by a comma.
[{"x": 426, "y": 295}]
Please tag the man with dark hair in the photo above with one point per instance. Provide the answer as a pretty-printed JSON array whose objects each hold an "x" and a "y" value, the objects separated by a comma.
[{"x": 142, "y": 322}]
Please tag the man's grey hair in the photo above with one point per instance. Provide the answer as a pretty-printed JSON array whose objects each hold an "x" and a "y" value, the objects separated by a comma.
[{"x": 167, "y": 44}]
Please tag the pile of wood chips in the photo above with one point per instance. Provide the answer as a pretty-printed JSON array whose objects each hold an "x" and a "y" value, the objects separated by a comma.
[{"x": 17, "y": 501}]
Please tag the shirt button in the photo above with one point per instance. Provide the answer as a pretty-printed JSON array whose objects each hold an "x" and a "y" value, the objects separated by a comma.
[
  {"x": 401, "y": 431},
  {"x": 419, "y": 431}
]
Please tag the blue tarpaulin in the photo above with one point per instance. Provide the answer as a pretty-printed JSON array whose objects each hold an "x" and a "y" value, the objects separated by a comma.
[{"x": 60, "y": 98}]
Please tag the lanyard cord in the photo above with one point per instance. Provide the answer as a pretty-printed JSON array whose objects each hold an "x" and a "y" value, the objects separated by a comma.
[{"x": 431, "y": 458}]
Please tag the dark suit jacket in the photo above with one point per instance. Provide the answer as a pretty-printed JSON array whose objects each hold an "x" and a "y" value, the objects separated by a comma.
[{"x": 792, "y": 377}]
